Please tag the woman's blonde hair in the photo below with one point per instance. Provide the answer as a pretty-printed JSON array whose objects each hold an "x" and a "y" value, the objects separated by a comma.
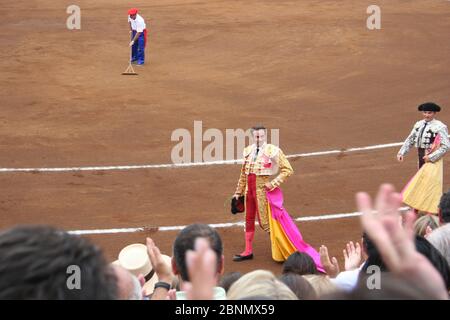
[
  {"x": 261, "y": 284},
  {"x": 421, "y": 224},
  {"x": 321, "y": 284}
]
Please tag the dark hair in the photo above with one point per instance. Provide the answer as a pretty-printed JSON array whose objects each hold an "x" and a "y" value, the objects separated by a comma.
[
  {"x": 367, "y": 243},
  {"x": 35, "y": 261},
  {"x": 435, "y": 257},
  {"x": 186, "y": 240},
  {"x": 300, "y": 263},
  {"x": 444, "y": 205},
  {"x": 258, "y": 127},
  {"x": 228, "y": 279},
  {"x": 299, "y": 285},
  {"x": 424, "y": 247},
  {"x": 373, "y": 256}
]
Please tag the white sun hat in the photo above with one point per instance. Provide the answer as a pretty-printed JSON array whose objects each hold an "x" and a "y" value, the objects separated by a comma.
[{"x": 135, "y": 259}]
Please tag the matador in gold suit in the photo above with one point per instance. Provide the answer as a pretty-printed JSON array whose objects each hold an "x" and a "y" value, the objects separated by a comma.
[{"x": 262, "y": 161}]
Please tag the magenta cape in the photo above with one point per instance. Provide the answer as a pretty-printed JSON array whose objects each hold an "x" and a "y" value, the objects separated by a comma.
[{"x": 285, "y": 236}]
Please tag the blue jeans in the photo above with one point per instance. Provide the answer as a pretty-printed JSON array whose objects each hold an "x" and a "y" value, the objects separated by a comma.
[{"x": 138, "y": 48}]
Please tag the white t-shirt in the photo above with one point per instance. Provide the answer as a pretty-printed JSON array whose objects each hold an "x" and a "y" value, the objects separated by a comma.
[
  {"x": 138, "y": 24},
  {"x": 347, "y": 280}
]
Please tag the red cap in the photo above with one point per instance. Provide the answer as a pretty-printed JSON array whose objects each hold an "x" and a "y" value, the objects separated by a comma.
[{"x": 132, "y": 11}]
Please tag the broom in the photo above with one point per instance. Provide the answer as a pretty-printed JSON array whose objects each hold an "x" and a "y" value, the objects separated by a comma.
[{"x": 129, "y": 71}]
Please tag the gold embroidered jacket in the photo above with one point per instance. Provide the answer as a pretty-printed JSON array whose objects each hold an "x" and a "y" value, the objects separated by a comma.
[{"x": 269, "y": 161}]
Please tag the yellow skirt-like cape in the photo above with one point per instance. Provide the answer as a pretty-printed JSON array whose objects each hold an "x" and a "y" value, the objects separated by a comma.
[{"x": 424, "y": 191}]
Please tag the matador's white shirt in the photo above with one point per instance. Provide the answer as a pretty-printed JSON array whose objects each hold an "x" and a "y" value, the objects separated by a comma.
[{"x": 422, "y": 136}]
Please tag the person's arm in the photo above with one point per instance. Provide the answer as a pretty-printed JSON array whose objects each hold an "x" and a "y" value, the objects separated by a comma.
[
  {"x": 409, "y": 142},
  {"x": 162, "y": 270},
  {"x": 241, "y": 183},
  {"x": 352, "y": 256},
  {"x": 136, "y": 36},
  {"x": 330, "y": 266},
  {"x": 444, "y": 146},
  {"x": 139, "y": 30},
  {"x": 201, "y": 264},
  {"x": 285, "y": 170},
  {"x": 395, "y": 242}
]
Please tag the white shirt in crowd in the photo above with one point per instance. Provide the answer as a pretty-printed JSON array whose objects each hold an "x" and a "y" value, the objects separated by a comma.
[
  {"x": 138, "y": 24},
  {"x": 219, "y": 294},
  {"x": 347, "y": 280}
]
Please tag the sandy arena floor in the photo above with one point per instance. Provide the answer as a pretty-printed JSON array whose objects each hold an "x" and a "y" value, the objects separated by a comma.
[{"x": 310, "y": 68}]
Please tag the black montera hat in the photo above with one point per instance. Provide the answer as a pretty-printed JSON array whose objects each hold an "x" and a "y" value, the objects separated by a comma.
[
  {"x": 429, "y": 106},
  {"x": 237, "y": 205}
]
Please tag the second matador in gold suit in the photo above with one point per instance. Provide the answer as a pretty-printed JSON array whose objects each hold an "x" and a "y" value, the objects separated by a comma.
[{"x": 261, "y": 162}]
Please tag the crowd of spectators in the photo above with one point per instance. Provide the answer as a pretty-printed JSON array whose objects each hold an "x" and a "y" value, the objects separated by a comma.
[{"x": 399, "y": 256}]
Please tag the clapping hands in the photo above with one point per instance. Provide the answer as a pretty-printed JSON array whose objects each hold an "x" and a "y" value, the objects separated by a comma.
[
  {"x": 352, "y": 256},
  {"x": 331, "y": 266},
  {"x": 396, "y": 242}
]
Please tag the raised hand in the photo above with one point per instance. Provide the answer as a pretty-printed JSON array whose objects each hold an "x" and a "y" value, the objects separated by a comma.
[
  {"x": 331, "y": 266},
  {"x": 352, "y": 256},
  {"x": 162, "y": 269},
  {"x": 202, "y": 265},
  {"x": 396, "y": 242}
]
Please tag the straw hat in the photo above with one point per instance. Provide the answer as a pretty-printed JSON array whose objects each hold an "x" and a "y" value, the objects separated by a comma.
[{"x": 135, "y": 259}]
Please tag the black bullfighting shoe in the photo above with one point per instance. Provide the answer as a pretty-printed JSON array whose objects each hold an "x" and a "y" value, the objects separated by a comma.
[{"x": 238, "y": 257}]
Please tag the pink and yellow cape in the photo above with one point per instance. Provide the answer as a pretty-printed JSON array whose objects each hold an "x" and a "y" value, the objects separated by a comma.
[{"x": 284, "y": 234}]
